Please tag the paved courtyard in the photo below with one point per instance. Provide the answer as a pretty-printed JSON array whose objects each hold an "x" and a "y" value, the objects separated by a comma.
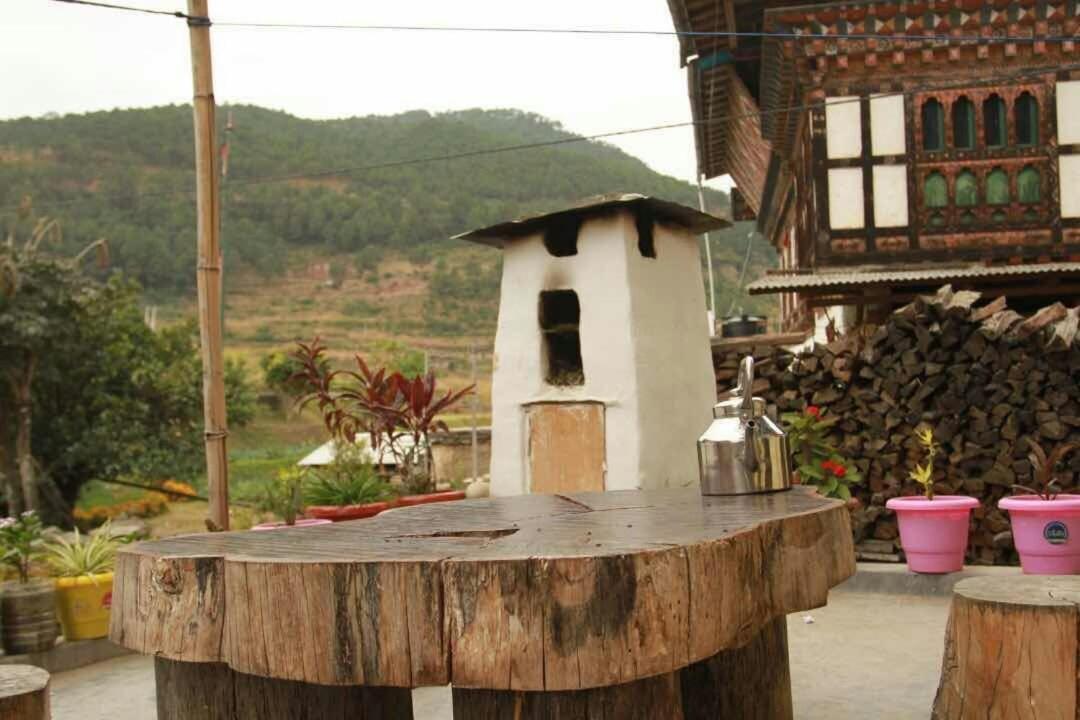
[{"x": 864, "y": 656}]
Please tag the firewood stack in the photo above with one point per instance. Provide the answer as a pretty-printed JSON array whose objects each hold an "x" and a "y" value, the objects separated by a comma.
[{"x": 985, "y": 378}]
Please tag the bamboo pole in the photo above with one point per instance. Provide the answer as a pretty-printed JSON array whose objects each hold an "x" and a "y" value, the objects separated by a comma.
[{"x": 209, "y": 268}]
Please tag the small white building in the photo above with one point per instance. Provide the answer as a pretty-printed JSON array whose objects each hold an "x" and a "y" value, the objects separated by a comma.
[{"x": 603, "y": 377}]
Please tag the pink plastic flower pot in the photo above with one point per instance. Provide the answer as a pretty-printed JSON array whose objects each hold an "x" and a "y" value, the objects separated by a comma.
[
  {"x": 1046, "y": 533},
  {"x": 342, "y": 513},
  {"x": 300, "y": 522},
  {"x": 446, "y": 496},
  {"x": 934, "y": 533}
]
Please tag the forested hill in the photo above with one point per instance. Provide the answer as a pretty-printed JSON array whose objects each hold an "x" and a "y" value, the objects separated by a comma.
[{"x": 117, "y": 175}]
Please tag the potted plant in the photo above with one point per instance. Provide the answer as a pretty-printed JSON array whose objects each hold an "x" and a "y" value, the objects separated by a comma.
[
  {"x": 817, "y": 462},
  {"x": 347, "y": 489},
  {"x": 27, "y": 606},
  {"x": 284, "y": 498},
  {"x": 933, "y": 528},
  {"x": 1046, "y": 521},
  {"x": 83, "y": 569},
  {"x": 397, "y": 413}
]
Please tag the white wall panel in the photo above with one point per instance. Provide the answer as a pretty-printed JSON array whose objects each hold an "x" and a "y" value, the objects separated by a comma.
[
  {"x": 1069, "y": 178},
  {"x": 890, "y": 196},
  {"x": 887, "y": 125},
  {"x": 843, "y": 128},
  {"x": 1068, "y": 112},
  {"x": 846, "y": 199}
]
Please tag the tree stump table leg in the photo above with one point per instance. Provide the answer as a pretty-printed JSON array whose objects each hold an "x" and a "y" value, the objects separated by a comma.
[
  {"x": 1011, "y": 650},
  {"x": 748, "y": 683},
  {"x": 24, "y": 693},
  {"x": 212, "y": 691}
]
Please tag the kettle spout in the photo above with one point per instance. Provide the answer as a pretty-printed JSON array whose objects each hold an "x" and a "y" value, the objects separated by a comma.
[{"x": 750, "y": 458}]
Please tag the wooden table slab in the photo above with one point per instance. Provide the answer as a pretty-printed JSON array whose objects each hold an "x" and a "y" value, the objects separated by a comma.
[{"x": 528, "y": 594}]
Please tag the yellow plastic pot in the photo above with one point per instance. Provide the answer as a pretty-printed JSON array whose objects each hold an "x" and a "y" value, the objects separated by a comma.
[{"x": 83, "y": 604}]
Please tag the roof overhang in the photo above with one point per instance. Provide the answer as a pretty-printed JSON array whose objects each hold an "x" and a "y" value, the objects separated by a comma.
[
  {"x": 862, "y": 279},
  {"x": 663, "y": 211}
]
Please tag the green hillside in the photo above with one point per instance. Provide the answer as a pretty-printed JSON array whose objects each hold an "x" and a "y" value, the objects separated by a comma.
[{"x": 126, "y": 175}]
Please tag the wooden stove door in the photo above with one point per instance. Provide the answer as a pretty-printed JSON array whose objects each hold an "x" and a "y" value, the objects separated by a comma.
[{"x": 566, "y": 447}]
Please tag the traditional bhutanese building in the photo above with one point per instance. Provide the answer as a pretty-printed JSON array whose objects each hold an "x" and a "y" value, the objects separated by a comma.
[{"x": 887, "y": 148}]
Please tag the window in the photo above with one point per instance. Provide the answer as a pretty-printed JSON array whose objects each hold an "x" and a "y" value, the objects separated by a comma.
[
  {"x": 646, "y": 242},
  {"x": 1027, "y": 120},
  {"x": 1029, "y": 186},
  {"x": 967, "y": 189},
  {"x": 935, "y": 191},
  {"x": 560, "y": 237},
  {"x": 997, "y": 187},
  {"x": 994, "y": 123},
  {"x": 936, "y": 195},
  {"x": 933, "y": 126},
  {"x": 560, "y": 318},
  {"x": 963, "y": 119}
]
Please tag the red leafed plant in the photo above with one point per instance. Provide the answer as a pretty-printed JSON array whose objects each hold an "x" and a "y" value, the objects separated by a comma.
[{"x": 388, "y": 407}]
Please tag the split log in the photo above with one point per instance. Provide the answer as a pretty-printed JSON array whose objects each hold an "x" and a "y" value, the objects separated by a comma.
[
  {"x": 24, "y": 693},
  {"x": 211, "y": 691},
  {"x": 1011, "y": 650},
  {"x": 986, "y": 379}
]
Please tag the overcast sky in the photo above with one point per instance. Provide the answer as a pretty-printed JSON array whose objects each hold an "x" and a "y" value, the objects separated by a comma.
[{"x": 67, "y": 59}]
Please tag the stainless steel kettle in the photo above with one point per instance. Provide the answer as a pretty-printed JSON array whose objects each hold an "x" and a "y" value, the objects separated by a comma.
[{"x": 743, "y": 451}]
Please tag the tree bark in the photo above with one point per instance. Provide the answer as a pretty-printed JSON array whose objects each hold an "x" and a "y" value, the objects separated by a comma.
[
  {"x": 1011, "y": 650},
  {"x": 212, "y": 691},
  {"x": 24, "y": 693},
  {"x": 748, "y": 683}
]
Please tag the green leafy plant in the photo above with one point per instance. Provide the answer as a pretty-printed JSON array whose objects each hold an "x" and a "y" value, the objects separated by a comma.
[
  {"x": 284, "y": 495},
  {"x": 349, "y": 480},
  {"x": 817, "y": 461},
  {"x": 21, "y": 543},
  {"x": 93, "y": 555},
  {"x": 923, "y": 473},
  {"x": 1045, "y": 467},
  {"x": 387, "y": 406}
]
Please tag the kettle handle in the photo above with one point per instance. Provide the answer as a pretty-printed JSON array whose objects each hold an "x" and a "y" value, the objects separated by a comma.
[{"x": 746, "y": 383}]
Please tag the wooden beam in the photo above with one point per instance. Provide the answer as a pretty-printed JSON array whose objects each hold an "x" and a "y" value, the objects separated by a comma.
[
  {"x": 729, "y": 22},
  {"x": 208, "y": 273}
]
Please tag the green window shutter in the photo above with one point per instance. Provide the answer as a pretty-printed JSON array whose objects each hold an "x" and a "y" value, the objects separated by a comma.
[
  {"x": 936, "y": 191},
  {"x": 997, "y": 187},
  {"x": 933, "y": 117},
  {"x": 963, "y": 114},
  {"x": 1029, "y": 186},
  {"x": 1027, "y": 120},
  {"x": 967, "y": 191},
  {"x": 994, "y": 122}
]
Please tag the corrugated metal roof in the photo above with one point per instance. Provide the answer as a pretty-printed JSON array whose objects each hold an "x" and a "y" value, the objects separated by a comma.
[
  {"x": 662, "y": 210},
  {"x": 862, "y": 277}
]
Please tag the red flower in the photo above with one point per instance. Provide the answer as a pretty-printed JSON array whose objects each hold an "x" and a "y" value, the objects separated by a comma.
[
  {"x": 813, "y": 410},
  {"x": 839, "y": 470}
]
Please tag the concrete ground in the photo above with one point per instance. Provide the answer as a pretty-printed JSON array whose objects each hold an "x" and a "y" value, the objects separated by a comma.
[{"x": 864, "y": 656}]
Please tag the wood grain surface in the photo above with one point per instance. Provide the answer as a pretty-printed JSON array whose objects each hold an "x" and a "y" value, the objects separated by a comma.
[
  {"x": 1011, "y": 650},
  {"x": 531, "y": 593}
]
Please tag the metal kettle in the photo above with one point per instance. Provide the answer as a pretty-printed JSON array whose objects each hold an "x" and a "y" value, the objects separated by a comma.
[{"x": 743, "y": 451}]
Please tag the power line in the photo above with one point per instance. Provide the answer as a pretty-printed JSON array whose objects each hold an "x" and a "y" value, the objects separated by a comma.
[
  {"x": 763, "y": 34},
  {"x": 331, "y": 172},
  {"x": 129, "y": 8}
]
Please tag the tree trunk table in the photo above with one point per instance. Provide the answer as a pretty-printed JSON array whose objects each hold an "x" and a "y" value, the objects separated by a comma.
[
  {"x": 635, "y": 604},
  {"x": 1011, "y": 650}
]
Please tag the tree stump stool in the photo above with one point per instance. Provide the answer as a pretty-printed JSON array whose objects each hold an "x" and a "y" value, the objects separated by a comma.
[
  {"x": 1011, "y": 650},
  {"x": 24, "y": 693},
  {"x": 636, "y": 604}
]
